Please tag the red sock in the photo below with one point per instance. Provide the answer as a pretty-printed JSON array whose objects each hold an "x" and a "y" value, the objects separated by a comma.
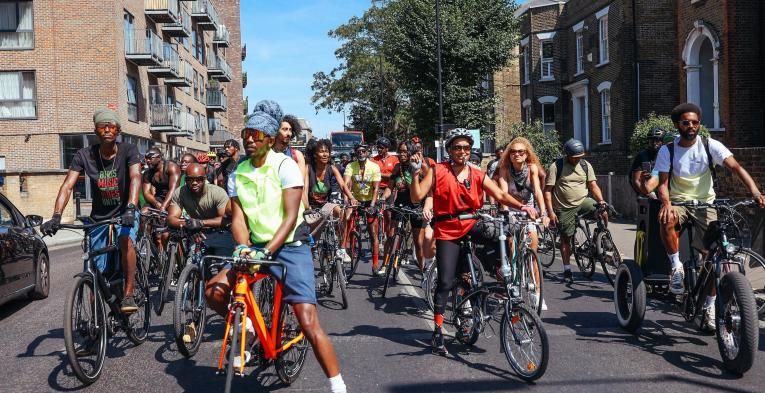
[
  {"x": 438, "y": 319},
  {"x": 375, "y": 260}
]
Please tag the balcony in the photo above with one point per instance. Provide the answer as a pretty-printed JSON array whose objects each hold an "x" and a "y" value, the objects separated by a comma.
[
  {"x": 162, "y": 11},
  {"x": 217, "y": 68},
  {"x": 244, "y": 52},
  {"x": 244, "y": 80},
  {"x": 171, "y": 120},
  {"x": 180, "y": 29},
  {"x": 170, "y": 63},
  {"x": 205, "y": 14},
  {"x": 143, "y": 47},
  {"x": 218, "y": 134},
  {"x": 185, "y": 75},
  {"x": 216, "y": 101},
  {"x": 221, "y": 37}
]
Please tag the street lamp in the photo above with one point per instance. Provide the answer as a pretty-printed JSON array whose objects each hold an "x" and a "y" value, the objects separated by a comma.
[
  {"x": 382, "y": 74},
  {"x": 440, "y": 86}
]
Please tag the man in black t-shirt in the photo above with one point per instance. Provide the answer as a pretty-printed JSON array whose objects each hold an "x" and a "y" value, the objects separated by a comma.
[
  {"x": 644, "y": 161},
  {"x": 229, "y": 164},
  {"x": 114, "y": 172},
  {"x": 160, "y": 179}
]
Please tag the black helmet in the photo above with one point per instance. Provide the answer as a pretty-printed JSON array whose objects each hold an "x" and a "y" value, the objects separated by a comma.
[
  {"x": 358, "y": 145},
  {"x": 383, "y": 141},
  {"x": 458, "y": 133},
  {"x": 573, "y": 148},
  {"x": 656, "y": 133}
]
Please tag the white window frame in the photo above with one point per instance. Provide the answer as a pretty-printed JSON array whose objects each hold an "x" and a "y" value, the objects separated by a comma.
[
  {"x": 526, "y": 65},
  {"x": 603, "y": 46},
  {"x": 547, "y": 100},
  {"x": 605, "y": 112},
  {"x": 20, "y": 94},
  {"x": 579, "y": 38},
  {"x": 546, "y": 63},
  {"x": 19, "y": 30},
  {"x": 132, "y": 101}
]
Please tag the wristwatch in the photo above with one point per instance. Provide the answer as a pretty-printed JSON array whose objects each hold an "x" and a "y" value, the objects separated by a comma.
[
  {"x": 130, "y": 206},
  {"x": 267, "y": 253}
]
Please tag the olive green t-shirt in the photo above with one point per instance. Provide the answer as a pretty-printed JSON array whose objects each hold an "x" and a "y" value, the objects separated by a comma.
[
  {"x": 571, "y": 190},
  {"x": 206, "y": 207}
]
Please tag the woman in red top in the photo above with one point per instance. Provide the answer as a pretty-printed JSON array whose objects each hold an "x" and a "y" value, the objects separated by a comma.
[{"x": 457, "y": 189}]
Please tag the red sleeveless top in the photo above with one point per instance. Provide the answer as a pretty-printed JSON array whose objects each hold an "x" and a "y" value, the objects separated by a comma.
[{"x": 450, "y": 197}]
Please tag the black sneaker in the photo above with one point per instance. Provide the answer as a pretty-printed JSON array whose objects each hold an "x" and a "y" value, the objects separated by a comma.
[
  {"x": 568, "y": 276},
  {"x": 128, "y": 305},
  {"x": 437, "y": 342}
]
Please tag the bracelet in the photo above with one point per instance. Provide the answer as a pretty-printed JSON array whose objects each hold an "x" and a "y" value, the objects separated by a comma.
[{"x": 544, "y": 213}]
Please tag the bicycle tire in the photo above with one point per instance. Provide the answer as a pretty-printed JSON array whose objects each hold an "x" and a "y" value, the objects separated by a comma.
[
  {"x": 189, "y": 307},
  {"x": 609, "y": 255},
  {"x": 341, "y": 282},
  {"x": 355, "y": 244},
  {"x": 234, "y": 348},
  {"x": 140, "y": 318},
  {"x": 580, "y": 247},
  {"x": 546, "y": 248},
  {"x": 265, "y": 299},
  {"x": 167, "y": 276},
  {"x": 629, "y": 296},
  {"x": 531, "y": 263},
  {"x": 469, "y": 309},
  {"x": 524, "y": 322},
  {"x": 735, "y": 293},
  {"x": 754, "y": 265},
  {"x": 391, "y": 263},
  {"x": 289, "y": 363},
  {"x": 93, "y": 330},
  {"x": 143, "y": 249},
  {"x": 431, "y": 278},
  {"x": 327, "y": 275}
]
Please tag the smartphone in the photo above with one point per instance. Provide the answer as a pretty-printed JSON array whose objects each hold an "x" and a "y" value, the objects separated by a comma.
[{"x": 646, "y": 166}]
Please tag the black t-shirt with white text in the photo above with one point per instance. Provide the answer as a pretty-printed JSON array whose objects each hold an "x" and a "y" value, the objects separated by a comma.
[{"x": 109, "y": 179}]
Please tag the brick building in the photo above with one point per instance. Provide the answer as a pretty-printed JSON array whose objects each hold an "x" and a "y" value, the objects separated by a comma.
[
  {"x": 592, "y": 68},
  {"x": 506, "y": 84},
  {"x": 170, "y": 68}
]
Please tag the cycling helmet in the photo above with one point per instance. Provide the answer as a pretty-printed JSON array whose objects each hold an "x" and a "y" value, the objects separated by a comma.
[
  {"x": 573, "y": 148},
  {"x": 656, "y": 133},
  {"x": 203, "y": 158},
  {"x": 458, "y": 133},
  {"x": 383, "y": 141},
  {"x": 358, "y": 145}
]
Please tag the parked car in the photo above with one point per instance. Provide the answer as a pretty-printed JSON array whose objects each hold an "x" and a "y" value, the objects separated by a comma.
[{"x": 24, "y": 262}]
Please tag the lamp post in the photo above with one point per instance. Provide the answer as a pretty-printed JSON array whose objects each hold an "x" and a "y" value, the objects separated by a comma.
[
  {"x": 440, "y": 86},
  {"x": 382, "y": 74}
]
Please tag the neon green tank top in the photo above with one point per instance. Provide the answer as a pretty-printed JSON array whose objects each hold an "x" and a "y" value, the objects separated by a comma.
[
  {"x": 698, "y": 187},
  {"x": 260, "y": 193}
]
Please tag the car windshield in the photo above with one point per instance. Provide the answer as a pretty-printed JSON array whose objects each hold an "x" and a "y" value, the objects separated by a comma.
[{"x": 346, "y": 140}]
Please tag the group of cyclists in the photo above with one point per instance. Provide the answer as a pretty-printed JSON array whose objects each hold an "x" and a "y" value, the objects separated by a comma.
[{"x": 257, "y": 201}]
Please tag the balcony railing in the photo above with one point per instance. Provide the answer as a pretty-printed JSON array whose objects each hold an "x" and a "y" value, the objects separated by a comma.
[
  {"x": 217, "y": 67},
  {"x": 216, "y": 100},
  {"x": 182, "y": 28},
  {"x": 143, "y": 47},
  {"x": 162, "y": 11},
  {"x": 244, "y": 79},
  {"x": 205, "y": 14},
  {"x": 244, "y": 52},
  {"x": 171, "y": 120},
  {"x": 185, "y": 75},
  {"x": 170, "y": 63},
  {"x": 221, "y": 36}
]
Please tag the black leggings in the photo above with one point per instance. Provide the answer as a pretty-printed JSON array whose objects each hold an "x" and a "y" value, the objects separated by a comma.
[{"x": 450, "y": 260}]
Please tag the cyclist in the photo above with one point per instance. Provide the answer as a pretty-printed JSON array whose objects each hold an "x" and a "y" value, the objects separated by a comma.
[
  {"x": 344, "y": 160},
  {"x": 229, "y": 161},
  {"x": 457, "y": 189},
  {"x": 493, "y": 165},
  {"x": 686, "y": 173},
  {"x": 363, "y": 178},
  {"x": 386, "y": 162},
  {"x": 268, "y": 227},
  {"x": 288, "y": 128},
  {"x": 643, "y": 164},
  {"x": 160, "y": 180},
  {"x": 186, "y": 159},
  {"x": 323, "y": 180},
  {"x": 429, "y": 242},
  {"x": 520, "y": 174},
  {"x": 114, "y": 171}
]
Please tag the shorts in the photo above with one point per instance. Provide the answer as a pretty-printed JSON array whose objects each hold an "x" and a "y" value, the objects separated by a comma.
[
  {"x": 701, "y": 219},
  {"x": 99, "y": 238},
  {"x": 415, "y": 221},
  {"x": 219, "y": 243},
  {"x": 300, "y": 285},
  {"x": 567, "y": 217}
]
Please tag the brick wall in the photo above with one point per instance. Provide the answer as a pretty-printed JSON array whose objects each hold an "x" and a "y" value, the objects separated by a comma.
[
  {"x": 507, "y": 92},
  {"x": 229, "y": 13}
]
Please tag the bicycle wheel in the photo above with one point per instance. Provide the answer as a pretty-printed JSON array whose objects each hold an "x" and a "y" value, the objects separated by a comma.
[
  {"x": 391, "y": 263},
  {"x": 431, "y": 278},
  {"x": 736, "y": 323},
  {"x": 355, "y": 244},
  {"x": 546, "y": 248},
  {"x": 235, "y": 348},
  {"x": 524, "y": 342},
  {"x": 609, "y": 255},
  {"x": 189, "y": 310},
  {"x": 580, "y": 247},
  {"x": 531, "y": 281},
  {"x": 341, "y": 282},
  {"x": 629, "y": 296},
  {"x": 468, "y": 317},
  {"x": 85, "y": 330},
  {"x": 290, "y": 362},
  {"x": 264, "y": 293},
  {"x": 139, "y": 322},
  {"x": 167, "y": 276},
  {"x": 754, "y": 266},
  {"x": 325, "y": 272},
  {"x": 143, "y": 252}
]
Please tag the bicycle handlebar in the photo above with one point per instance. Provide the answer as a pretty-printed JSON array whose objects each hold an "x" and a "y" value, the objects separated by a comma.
[
  {"x": 116, "y": 220},
  {"x": 238, "y": 261},
  {"x": 405, "y": 210},
  {"x": 722, "y": 202},
  {"x": 152, "y": 212}
]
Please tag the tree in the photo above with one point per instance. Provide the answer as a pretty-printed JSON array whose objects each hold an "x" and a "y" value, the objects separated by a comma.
[
  {"x": 638, "y": 139},
  {"x": 546, "y": 144}
]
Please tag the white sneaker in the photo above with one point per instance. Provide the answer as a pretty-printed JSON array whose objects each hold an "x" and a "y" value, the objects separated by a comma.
[
  {"x": 544, "y": 305},
  {"x": 534, "y": 300},
  {"x": 344, "y": 255},
  {"x": 676, "y": 282},
  {"x": 249, "y": 327},
  {"x": 709, "y": 319},
  {"x": 238, "y": 359}
]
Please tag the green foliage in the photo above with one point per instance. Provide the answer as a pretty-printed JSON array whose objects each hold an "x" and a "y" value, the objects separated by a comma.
[
  {"x": 546, "y": 143},
  {"x": 638, "y": 139}
]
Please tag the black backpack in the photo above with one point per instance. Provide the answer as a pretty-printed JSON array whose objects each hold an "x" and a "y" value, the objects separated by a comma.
[
  {"x": 705, "y": 141},
  {"x": 559, "y": 169}
]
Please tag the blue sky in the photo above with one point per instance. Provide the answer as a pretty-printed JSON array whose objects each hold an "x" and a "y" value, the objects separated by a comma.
[{"x": 287, "y": 42}]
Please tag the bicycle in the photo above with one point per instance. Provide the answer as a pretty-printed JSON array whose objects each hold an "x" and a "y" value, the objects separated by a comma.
[
  {"x": 331, "y": 266},
  {"x": 86, "y": 322},
  {"x": 736, "y": 323},
  {"x": 597, "y": 245},
  {"x": 152, "y": 257},
  {"x": 401, "y": 237},
  {"x": 357, "y": 233},
  {"x": 280, "y": 337},
  {"x": 529, "y": 275},
  {"x": 547, "y": 246},
  {"x": 178, "y": 246}
]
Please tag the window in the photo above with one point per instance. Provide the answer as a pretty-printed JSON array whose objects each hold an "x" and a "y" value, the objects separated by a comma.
[
  {"x": 602, "y": 16},
  {"x": 132, "y": 101},
  {"x": 579, "y": 52},
  {"x": 548, "y": 116},
  {"x": 69, "y": 146},
  {"x": 546, "y": 60},
  {"x": 196, "y": 86},
  {"x": 129, "y": 32},
  {"x": 17, "y": 95},
  {"x": 199, "y": 48},
  {"x": 605, "y": 115},
  {"x": 16, "y": 25},
  {"x": 526, "y": 62},
  {"x": 526, "y": 110},
  {"x": 194, "y": 43}
]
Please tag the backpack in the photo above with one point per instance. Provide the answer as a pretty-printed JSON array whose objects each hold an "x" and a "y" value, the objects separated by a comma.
[
  {"x": 559, "y": 169},
  {"x": 705, "y": 141}
]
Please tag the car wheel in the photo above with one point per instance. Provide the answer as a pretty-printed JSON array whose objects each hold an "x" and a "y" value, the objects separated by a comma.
[{"x": 42, "y": 279}]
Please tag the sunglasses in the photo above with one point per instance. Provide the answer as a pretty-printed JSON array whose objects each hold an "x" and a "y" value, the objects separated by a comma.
[
  {"x": 256, "y": 135},
  {"x": 151, "y": 156},
  {"x": 689, "y": 122},
  {"x": 517, "y": 152},
  {"x": 461, "y": 147},
  {"x": 190, "y": 179},
  {"x": 104, "y": 127}
]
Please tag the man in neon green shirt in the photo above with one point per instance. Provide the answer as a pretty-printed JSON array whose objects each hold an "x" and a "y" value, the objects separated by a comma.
[
  {"x": 363, "y": 176},
  {"x": 267, "y": 226}
]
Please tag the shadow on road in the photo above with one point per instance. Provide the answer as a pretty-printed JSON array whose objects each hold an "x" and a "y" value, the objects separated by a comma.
[{"x": 14, "y": 306}]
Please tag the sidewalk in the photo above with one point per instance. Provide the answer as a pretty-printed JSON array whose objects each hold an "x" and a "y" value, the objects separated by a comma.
[
  {"x": 63, "y": 238},
  {"x": 623, "y": 232}
]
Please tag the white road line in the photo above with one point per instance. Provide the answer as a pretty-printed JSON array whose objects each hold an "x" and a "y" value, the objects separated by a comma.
[{"x": 409, "y": 289}]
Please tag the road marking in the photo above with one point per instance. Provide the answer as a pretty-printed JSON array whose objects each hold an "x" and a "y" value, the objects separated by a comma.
[{"x": 409, "y": 289}]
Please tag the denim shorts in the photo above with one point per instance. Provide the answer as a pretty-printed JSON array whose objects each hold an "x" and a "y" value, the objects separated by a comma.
[
  {"x": 300, "y": 286},
  {"x": 99, "y": 238}
]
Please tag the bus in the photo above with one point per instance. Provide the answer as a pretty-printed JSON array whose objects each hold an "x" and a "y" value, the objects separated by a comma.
[{"x": 343, "y": 141}]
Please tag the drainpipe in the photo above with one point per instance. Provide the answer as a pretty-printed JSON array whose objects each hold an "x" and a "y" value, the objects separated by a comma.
[{"x": 636, "y": 64}]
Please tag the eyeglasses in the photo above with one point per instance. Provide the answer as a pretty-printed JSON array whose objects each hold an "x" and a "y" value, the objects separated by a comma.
[
  {"x": 256, "y": 135},
  {"x": 104, "y": 127},
  {"x": 460, "y": 147},
  {"x": 517, "y": 152},
  {"x": 191, "y": 179},
  {"x": 689, "y": 122}
]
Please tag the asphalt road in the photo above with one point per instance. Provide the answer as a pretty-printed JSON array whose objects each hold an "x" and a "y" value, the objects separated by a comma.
[{"x": 383, "y": 346}]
